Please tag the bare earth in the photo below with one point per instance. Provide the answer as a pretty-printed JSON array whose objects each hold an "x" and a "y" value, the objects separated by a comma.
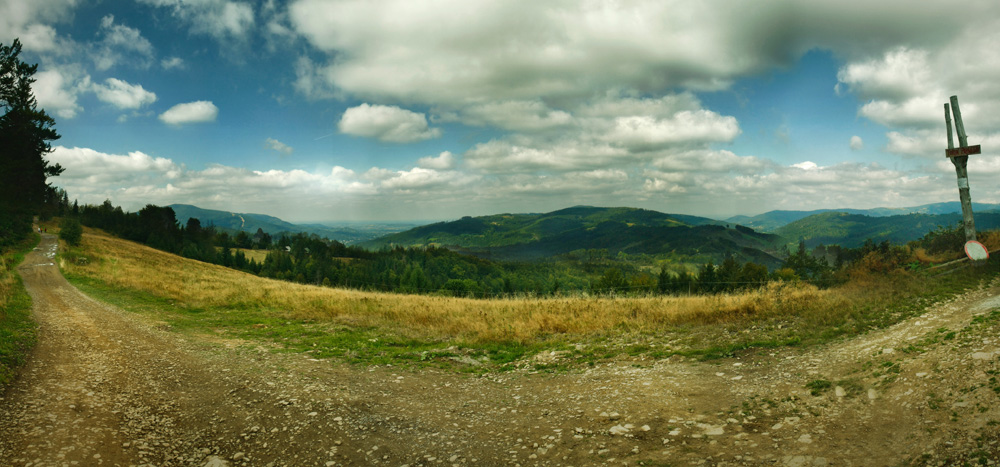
[{"x": 106, "y": 387}]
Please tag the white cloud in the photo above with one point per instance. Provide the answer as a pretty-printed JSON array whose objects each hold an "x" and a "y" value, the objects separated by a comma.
[
  {"x": 123, "y": 95},
  {"x": 419, "y": 178},
  {"x": 643, "y": 133},
  {"x": 57, "y": 90},
  {"x": 856, "y": 143},
  {"x": 386, "y": 123},
  {"x": 443, "y": 161},
  {"x": 121, "y": 43},
  {"x": 278, "y": 146},
  {"x": 527, "y": 116},
  {"x": 191, "y": 112},
  {"x": 220, "y": 19},
  {"x": 31, "y": 22},
  {"x": 172, "y": 63},
  {"x": 136, "y": 179},
  {"x": 501, "y": 50}
]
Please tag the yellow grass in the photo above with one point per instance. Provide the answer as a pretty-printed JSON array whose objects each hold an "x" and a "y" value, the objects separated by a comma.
[{"x": 200, "y": 285}]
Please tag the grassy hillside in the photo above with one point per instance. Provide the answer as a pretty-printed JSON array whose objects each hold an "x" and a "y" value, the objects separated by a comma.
[
  {"x": 366, "y": 327},
  {"x": 523, "y": 237},
  {"x": 851, "y": 230}
]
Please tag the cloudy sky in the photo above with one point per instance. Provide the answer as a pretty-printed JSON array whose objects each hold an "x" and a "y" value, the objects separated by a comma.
[{"x": 317, "y": 110}]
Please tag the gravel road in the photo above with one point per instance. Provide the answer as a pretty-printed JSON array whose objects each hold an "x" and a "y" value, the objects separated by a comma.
[{"x": 106, "y": 387}]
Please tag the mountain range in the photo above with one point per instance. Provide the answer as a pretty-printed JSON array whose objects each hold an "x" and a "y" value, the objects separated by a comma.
[
  {"x": 233, "y": 222},
  {"x": 527, "y": 237},
  {"x": 773, "y": 220},
  {"x": 628, "y": 231}
]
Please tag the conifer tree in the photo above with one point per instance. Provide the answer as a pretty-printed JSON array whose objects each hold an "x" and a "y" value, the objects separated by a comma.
[{"x": 25, "y": 132}]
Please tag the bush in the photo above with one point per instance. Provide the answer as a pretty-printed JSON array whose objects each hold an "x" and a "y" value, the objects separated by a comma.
[{"x": 70, "y": 231}]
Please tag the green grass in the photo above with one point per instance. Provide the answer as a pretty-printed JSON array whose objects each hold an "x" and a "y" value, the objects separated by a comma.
[
  {"x": 782, "y": 317},
  {"x": 321, "y": 340},
  {"x": 18, "y": 331},
  {"x": 374, "y": 346}
]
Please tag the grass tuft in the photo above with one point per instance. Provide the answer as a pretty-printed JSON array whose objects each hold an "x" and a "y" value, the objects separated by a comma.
[{"x": 18, "y": 331}]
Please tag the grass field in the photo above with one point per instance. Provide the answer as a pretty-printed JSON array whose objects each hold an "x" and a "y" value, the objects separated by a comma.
[
  {"x": 369, "y": 327},
  {"x": 17, "y": 329}
]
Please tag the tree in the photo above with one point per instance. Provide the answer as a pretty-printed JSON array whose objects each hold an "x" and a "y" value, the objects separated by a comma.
[
  {"x": 70, "y": 231},
  {"x": 25, "y": 132}
]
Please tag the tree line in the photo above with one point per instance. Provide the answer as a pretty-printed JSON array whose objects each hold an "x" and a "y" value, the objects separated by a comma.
[{"x": 309, "y": 259}]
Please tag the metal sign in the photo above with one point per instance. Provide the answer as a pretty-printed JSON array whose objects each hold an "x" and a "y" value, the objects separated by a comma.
[
  {"x": 976, "y": 251},
  {"x": 965, "y": 151}
]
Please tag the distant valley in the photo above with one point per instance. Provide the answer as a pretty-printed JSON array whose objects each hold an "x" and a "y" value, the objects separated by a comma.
[
  {"x": 626, "y": 231},
  {"x": 232, "y": 222}
]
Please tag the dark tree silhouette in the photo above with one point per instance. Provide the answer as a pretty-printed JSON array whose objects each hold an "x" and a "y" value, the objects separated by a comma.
[{"x": 25, "y": 132}]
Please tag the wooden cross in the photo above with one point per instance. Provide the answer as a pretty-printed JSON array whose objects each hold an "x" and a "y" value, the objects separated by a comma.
[{"x": 960, "y": 158}]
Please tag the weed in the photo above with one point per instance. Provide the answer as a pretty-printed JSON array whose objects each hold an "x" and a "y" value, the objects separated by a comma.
[
  {"x": 818, "y": 386},
  {"x": 18, "y": 332}
]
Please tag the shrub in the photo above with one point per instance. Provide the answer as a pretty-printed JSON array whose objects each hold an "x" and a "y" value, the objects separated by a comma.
[{"x": 70, "y": 231}]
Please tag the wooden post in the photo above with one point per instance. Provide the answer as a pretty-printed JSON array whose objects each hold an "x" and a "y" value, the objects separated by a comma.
[{"x": 961, "y": 168}]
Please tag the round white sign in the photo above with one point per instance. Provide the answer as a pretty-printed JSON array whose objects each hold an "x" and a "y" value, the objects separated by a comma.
[{"x": 976, "y": 251}]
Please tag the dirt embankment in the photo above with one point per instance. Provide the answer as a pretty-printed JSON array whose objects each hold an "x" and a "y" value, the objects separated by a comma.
[{"x": 105, "y": 387}]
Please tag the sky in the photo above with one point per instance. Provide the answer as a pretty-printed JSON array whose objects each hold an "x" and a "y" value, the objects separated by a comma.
[{"x": 404, "y": 110}]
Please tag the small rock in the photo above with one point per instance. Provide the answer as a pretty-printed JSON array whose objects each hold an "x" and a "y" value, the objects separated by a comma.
[
  {"x": 839, "y": 391},
  {"x": 215, "y": 461},
  {"x": 618, "y": 430}
]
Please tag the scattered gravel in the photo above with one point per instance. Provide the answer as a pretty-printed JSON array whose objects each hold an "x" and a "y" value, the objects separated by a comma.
[{"x": 106, "y": 387}]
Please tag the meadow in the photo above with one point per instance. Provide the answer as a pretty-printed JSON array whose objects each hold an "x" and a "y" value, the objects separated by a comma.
[{"x": 374, "y": 328}]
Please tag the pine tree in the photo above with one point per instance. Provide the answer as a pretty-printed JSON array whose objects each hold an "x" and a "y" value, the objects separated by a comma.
[{"x": 25, "y": 131}]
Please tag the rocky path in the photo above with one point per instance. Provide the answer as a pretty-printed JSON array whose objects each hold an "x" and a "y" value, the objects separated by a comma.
[{"x": 105, "y": 387}]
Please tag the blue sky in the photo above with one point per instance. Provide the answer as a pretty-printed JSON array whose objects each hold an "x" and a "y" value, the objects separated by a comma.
[{"x": 314, "y": 110}]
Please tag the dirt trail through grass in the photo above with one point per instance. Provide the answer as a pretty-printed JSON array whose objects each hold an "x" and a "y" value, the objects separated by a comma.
[{"x": 106, "y": 387}]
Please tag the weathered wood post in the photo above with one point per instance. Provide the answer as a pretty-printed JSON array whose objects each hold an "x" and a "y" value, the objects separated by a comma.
[{"x": 960, "y": 158}]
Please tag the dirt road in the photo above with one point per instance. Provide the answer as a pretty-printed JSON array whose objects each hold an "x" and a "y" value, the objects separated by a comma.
[{"x": 106, "y": 387}]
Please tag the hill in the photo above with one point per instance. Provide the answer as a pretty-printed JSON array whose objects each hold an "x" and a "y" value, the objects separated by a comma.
[
  {"x": 526, "y": 237},
  {"x": 773, "y": 220},
  {"x": 234, "y": 222},
  {"x": 851, "y": 230}
]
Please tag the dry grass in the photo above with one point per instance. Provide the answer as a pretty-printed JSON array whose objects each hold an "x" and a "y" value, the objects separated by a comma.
[{"x": 197, "y": 285}]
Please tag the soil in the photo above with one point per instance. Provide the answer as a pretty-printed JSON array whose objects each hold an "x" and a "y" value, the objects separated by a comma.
[{"x": 111, "y": 388}]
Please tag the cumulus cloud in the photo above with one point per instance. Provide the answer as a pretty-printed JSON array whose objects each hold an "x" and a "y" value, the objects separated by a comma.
[
  {"x": 526, "y": 116},
  {"x": 443, "y": 161},
  {"x": 220, "y": 19},
  {"x": 386, "y": 123},
  {"x": 57, "y": 90},
  {"x": 856, "y": 143},
  {"x": 191, "y": 112},
  {"x": 646, "y": 132},
  {"x": 123, "y": 95},
  {"x": 522, "y": 50},
  {"x": 905, "y": 88},
  {"x": 136, "y": 179},
  {"x": 278, "y": 146},
  {"x": 120, "y": 43},
  {"x": 32, "y": 23}
]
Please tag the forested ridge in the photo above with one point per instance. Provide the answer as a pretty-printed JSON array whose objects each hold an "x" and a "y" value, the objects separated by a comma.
[{"x": 310, "y": 259}]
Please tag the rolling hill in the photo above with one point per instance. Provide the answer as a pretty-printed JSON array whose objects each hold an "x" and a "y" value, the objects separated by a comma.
[
  {"x": 234, "y": 222},
  {"x": 851, "y": 230},
  {"x": 773, "y": 220},
  {"x": 527, "y": 237}
]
